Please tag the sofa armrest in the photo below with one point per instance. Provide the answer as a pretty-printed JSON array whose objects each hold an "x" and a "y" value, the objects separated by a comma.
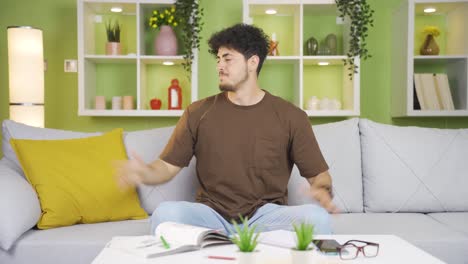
[{"x": 19, "y": 206}]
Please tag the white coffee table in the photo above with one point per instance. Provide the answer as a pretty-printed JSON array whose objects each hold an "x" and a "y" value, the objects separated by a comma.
[{"x": 392, "y": 250}]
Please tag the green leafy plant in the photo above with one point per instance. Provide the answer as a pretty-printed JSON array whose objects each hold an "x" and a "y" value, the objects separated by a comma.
[
  {"x": 161, "y": 17},
  {"x": 113, "y": 31},
  {"x": 245, "y": 237},
  {"x": 190, "y": 14},
  {"x": 304, "y": 235},
  {"x": 360, "y": 15}
]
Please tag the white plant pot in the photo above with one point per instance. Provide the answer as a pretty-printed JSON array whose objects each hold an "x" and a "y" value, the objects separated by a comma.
[
  {"x": 247, "y": 257},
  {"x": 301, "y": 256}
]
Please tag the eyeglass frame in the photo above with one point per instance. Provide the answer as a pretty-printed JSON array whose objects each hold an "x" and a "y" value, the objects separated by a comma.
[{"x": 359, "y": 248}]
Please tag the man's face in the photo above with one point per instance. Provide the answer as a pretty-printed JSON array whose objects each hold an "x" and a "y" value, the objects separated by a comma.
[{"x": 232, "y": 69}]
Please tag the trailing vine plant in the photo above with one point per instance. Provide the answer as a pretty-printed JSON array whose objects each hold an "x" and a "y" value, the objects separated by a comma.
[{"x": 360, "y": 15}]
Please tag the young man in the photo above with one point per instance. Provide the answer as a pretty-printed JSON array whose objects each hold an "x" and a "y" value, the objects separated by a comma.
[{"x": 246, "y": 142}]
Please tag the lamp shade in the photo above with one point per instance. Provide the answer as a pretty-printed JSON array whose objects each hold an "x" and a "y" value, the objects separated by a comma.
[{"x": 26, "y": 75}]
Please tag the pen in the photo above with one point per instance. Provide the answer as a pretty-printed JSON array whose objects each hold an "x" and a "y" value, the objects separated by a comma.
[
  {"x": 221, "y": 257},
  {"x": 166, "y": 245}
]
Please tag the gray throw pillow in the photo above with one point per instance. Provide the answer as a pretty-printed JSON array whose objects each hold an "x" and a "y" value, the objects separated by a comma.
[{"x": 19, "y": 205}]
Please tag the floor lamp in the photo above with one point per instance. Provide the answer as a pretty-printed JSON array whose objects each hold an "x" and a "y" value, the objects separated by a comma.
[{"x": 26, "y": 75}]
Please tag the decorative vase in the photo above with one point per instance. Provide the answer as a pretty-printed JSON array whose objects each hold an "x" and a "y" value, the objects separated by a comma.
[
  {"x": 311, "y": 46},
  {"x": 313, "y": 103},
  {"x": 113, "y": 48},
  {"x": 429, "y": 46},
  {"x": 301, "y": 256},
  {"x": 324, "y": 50},
  {"x": 165, "y": 42},
  {"x": 330, "y": 41}
]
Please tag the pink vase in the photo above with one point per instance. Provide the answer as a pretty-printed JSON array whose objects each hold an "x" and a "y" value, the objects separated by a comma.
[{"x": 165, "y": 42}]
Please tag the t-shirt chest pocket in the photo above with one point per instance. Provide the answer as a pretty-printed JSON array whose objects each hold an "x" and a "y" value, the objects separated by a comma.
[{"x": 267, "y": 152}]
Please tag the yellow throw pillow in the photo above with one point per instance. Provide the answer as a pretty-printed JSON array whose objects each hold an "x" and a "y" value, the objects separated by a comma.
[{"x": 75, "y": 181}]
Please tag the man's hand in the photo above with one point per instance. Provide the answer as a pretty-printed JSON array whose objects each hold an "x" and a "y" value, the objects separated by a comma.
[
  {"x": 130, "y": 173},
  {"x": 321, "y": 191},
  {"x": 135, "y": 171}
]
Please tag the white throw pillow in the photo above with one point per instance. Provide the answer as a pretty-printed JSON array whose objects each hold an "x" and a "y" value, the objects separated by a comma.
[
  {"x": 19, "y": 205},
  {"x": 414, "y": 169},
  {"x": 340, "y": 146}
]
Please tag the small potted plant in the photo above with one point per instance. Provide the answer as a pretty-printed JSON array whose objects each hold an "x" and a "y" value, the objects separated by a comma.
[
  {"x": 113, "y": 38},
  {"x": 303, "y": 252},
  {"x": 245, "y": 238}
]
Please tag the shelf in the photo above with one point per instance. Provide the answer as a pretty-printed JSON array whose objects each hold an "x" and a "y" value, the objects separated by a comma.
[
  {"x": 331, "y": 113},
  {"x": 432, "y": 113},
  {"x": 137, "y": 72},
  {"x": 284, "y": 24},
  {"x": 451, "y": 17},
  {"x": 296, "y": 76},
  {"x": 409, "y": 20},
  {"x": 177, "y": 60},
  {"x": 155, "y": 81},
  {"x": 96, "y": 14},
  {"x": 332, "y": 82},
  {"x": 282, "y": 59},
  {"x": 111, "y": 58},
  {"x": 131, "y": 112},
  {"x": 332, "y": 60}
]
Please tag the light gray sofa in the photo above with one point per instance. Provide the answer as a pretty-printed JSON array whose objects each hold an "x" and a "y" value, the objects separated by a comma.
[{"x": 407, "y": 181}]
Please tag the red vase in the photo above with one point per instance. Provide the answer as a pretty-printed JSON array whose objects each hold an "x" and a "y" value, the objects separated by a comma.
[
  {"x": 165, "y": 42},
  {"x": 174, "y": 96}
]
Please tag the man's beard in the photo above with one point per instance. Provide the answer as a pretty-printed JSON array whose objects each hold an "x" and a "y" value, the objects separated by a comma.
[{"x": 233, "y": 87}]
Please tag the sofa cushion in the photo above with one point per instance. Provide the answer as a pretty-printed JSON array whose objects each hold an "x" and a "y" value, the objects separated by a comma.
[
  {"x": 19, "y": 205},
  {"x": 72, "y": 245},
  {"x": 456, "y": 221},
  {"x": 12, "y": 129},
  {"x": 413, "y": 169},
  {"x": 149, "y": 144},
  {"x": 340, "y": 146},
  {"x": 421, "y": 230},
  {"x": 75, "y": 180}
]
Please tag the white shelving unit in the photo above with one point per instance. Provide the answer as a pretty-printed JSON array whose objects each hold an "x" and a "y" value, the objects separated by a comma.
[
  {"x": 451, "y": 16},
  {"x": 306, "y": 77},
  {"x": 137, "y": 72}
]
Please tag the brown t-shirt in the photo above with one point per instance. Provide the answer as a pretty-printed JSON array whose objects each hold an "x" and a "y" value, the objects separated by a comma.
[{"x": 244, "y": 154}]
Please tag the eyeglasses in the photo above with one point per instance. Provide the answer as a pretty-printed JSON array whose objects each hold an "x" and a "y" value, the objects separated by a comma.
[{"x": 351, "y": 249}]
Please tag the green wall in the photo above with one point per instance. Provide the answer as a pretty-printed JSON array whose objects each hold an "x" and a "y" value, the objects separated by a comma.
[{"x": 58, "y": 20}]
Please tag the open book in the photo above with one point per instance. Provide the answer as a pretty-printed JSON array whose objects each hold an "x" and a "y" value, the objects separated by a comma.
[{"x": 170, "y": 238}]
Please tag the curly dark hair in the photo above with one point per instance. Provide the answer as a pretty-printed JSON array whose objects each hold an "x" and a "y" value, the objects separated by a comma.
[{"x": 245, "y": 39}]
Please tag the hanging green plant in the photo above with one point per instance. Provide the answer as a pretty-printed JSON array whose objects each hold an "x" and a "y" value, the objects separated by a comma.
[
  {"x": 360, "y": 15},
  {"x": 190, "y": 14}
]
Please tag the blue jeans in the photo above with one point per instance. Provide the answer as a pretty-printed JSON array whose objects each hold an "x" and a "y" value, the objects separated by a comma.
[{"x": 268, "y": 217}]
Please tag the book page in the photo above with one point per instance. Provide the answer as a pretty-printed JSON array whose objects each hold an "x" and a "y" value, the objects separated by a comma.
[
  {"x": 181, "y": 234},
  {"x": 146, "y": 246}
]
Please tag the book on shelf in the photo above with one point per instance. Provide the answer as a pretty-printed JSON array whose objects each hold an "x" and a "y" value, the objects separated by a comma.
[
  {"x": 431, "y": 98},
  {"x": 432, "y": 91},
  {"x": 443, "y": 89},
  {"x": 418, "y": 97},
  {"x": 169, "y": 238}
]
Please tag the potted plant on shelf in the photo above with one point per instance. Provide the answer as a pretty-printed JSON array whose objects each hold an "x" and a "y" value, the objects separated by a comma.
[
  {"x": 165, "y": 42},
  {"x": 245, "y": 238},
  {"x": 113, "y": 46},
  {"x": 302, "y": 253},
  {"x": 360, "y": 15},
  {"x": 429, "y": 46}
]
